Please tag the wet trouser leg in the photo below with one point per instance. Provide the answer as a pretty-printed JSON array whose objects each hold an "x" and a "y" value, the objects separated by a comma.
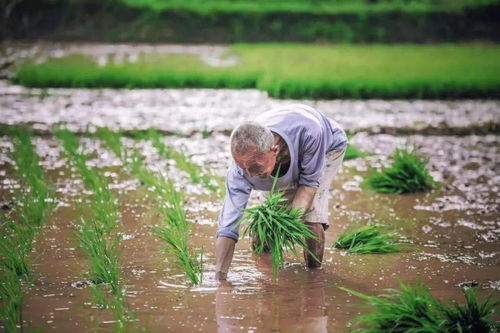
[{"x": 317, "y": 216}]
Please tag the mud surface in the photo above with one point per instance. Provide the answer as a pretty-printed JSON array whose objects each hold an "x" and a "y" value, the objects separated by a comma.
[
  {"x": 189, "y": 111},
  {"x": 456, "y": 228}
]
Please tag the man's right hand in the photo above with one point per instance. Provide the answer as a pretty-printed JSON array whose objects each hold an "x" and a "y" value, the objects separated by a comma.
[{"x": 224, "y": 249}]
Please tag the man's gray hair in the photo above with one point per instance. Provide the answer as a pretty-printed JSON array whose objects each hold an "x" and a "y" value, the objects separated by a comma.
[{"x": 251, "y": 134}]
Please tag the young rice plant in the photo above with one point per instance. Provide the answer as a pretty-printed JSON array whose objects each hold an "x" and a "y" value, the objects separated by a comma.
[
  {"x": 183, "y": 162},
  {"x": 97, "y": 232},
  {"x": 18, "y": 231},
  {"x": 175, "y": 231},
  {"x": 407, "y": 174}
]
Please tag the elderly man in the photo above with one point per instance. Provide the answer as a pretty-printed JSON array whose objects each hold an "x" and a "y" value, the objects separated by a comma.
[{"x": 307, "y": 147}]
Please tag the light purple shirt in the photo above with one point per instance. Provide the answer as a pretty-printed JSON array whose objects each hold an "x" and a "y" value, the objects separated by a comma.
[{"x": 309, "y": 135}]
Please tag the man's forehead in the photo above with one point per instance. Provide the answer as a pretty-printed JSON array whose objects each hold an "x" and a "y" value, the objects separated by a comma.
[{"x": 247, "y": 160}]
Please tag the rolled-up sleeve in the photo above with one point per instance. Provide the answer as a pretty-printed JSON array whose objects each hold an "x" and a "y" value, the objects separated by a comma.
[
  {"x": 312, "y": 161},
  {"x": 237, "y": 193}
]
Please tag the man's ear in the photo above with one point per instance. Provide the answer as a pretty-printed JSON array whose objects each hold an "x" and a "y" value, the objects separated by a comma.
[{"x": 275, "y": 149}]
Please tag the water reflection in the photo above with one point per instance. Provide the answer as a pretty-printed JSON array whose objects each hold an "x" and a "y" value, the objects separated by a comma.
[{"x": 295, "y": 303}]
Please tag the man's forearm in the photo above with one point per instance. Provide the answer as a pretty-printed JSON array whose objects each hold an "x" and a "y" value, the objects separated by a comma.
[
  {"x": 304, "y": 197},
  {"x": 224, "y": 249}
]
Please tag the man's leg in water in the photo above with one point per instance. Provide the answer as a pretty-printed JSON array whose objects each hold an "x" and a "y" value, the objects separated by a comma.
[{"x": 317, "y": 217}]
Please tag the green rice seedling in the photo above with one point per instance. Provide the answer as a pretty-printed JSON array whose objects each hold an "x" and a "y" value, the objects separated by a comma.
[
  {"x": 112, "y": 141},
  {"x": 412, "y": 309},
  {"x": 277, "y": 227},
  {"x": 105, "y": 206},
  {"x": 175, "y": 230},
  {"x": 407, "y": 174},
  {"x": 177, "y": 241},
  {"x": 473, "y": 316},
  {"x": 157, "y": 141},
  {"x": 38, "y": 201},
  {"x": 15, "y": 247},
  {"x": 352, "y": 152},
  {"x": 11, "y": 296},
  {"x": 16, "y": 241},
  {"x": 205, "y": 133},
  {"x": 184, "y": 163},
  {"x": 102, "y": 251},
  {"x": 71, "y": 144},
  {"x": 367, "y": 239},
  {"x": 96, "y": 233}
]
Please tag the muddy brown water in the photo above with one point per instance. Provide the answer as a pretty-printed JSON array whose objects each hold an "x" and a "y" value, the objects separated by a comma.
[{"x": 455, "y": 228}]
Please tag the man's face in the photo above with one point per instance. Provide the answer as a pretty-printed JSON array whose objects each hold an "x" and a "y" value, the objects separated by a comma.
[{"x": 257, "y": 165}]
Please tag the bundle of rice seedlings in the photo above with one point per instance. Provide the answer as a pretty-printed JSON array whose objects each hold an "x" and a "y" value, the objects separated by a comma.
[
  {"x": 473, "y": 316},
  {"x": 413, "y": 309},
  {"x": 407, "y": 174},
  {"x": 277, "y": 228},
  {"x": 367, "y": 239}
]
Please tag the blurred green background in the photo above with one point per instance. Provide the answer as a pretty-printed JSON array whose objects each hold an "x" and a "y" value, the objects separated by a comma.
[{"x": 291, "y": 49}]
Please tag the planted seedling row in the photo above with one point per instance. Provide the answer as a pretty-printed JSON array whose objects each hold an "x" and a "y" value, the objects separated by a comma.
[
  {"x": 175, "y": 229},
  {"x": 183, "y": 162},
  {"x": 18, "y": 231},
  {"x": 97, "y": 234}
]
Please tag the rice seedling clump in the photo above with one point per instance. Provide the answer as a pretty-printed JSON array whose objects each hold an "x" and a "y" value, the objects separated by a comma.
[
  {"x": 277, "y": 228},
  {"x": 407, "y": 174},
  {"x": 414, "y": 309},
  {"x": 367, "y": 239}
]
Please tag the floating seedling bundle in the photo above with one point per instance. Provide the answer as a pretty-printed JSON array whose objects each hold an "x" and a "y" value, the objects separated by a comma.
[
  {"x": 277, "y": 228},
  {"x": 414, "y": 309},
  {"x": 368, "y": 239},
  {"x": 407, "y": 174}
]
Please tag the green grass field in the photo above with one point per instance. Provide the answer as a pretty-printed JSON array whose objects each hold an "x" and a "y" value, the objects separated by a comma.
[
  {"x": 296, "y": 71},
  {"x": 305, "y": 6}
]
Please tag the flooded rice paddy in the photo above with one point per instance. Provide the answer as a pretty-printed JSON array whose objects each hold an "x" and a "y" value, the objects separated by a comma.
[{"x": 456, "y": 228}]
